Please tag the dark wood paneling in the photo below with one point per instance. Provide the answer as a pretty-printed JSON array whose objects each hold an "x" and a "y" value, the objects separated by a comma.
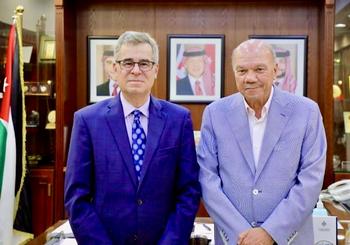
[
  {"x": 235, "y": 20},
  {"x": 326, "y": 68},
  {"x": 66, "y": 95},
  {"x": 341, "y": 176},
  {"x": 41, "y": 183},
  {"x": 59, "y": 112}
]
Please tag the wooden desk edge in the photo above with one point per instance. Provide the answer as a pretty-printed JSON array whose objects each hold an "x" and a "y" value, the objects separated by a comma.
[{"x": 41, "y": 239}]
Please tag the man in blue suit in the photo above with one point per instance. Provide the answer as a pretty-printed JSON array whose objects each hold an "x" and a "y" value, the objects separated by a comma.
[
  {"x": 109, "y": 87},
  {"x": 262, "y": 157},
  {"x": 132, "y": 173}
]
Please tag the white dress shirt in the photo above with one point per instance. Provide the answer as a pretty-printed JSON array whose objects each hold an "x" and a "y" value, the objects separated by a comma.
[
  {"x": 257, "y": 126},
  {"x": 129, "y": 117}
]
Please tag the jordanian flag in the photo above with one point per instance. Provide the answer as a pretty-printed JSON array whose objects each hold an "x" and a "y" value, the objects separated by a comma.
[{"x": 11, "y": 137}]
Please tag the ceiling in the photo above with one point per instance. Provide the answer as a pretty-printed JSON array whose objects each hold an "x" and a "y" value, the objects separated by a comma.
[{"x": 342, "y": 15}]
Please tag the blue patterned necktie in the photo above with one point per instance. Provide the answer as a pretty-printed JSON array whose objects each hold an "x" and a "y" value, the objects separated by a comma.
[{"x": 138, "y": 143}]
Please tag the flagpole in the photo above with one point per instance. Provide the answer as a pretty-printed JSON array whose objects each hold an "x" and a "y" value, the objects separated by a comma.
[
  {"x": 19, "y": 27},
  {"x": 19, "y": 13}
]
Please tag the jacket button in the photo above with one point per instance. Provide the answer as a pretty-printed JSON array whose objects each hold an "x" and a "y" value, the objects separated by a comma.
[
  {"x": 135, "y": 237},
  {"x": 255, "y": 192},
  {"x": 139, "y": 202}
]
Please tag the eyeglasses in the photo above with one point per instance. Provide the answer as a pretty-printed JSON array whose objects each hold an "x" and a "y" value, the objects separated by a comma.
[{"x": 128, "y": 65}]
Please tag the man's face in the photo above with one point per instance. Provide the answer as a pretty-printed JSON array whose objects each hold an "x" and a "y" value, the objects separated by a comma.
[
  {"x": 136, "y": 82},
  {"x": 195, "y": 66},
  {"x": 109, "y": 67},
  {"x": 255, "y": 71},
  {"x": 281, "y": 63}
]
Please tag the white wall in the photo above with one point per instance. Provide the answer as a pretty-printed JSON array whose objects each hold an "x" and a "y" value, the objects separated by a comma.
[{"x": 33, "y": 9}]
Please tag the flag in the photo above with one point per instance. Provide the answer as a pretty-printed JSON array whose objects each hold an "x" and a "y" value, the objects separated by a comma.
[{"x": 12, "y": 135}]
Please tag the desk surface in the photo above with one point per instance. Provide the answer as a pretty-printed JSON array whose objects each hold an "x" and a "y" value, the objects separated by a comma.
[
  {"x": 332, "y": 208},
  {"x": 343, "y": 218},
  {"x": 41, "y": 239}
]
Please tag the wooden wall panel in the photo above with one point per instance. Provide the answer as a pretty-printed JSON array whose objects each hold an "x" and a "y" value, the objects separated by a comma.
[
  {"x": 235, "y": 20},
  {"x": 325, "y": 82},
  {"x": 66, "y": 93},
  {"x": 59, "y": 182}
]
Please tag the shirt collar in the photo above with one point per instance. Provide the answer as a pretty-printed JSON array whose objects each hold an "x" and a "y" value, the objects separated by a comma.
[
  {"x": 129, "y": 108},
  {"x": 193, "y": 80},
  {"x": 265, "y": 108},
  {"x": 111, "y": 83}
]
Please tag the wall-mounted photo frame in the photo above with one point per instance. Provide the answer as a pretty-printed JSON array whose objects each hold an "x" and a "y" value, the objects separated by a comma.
[
  {"x": 101, "y": 73},
  {"x": 291, "y": 57},
  {"x": 47, "y": 49},
  {"x": 195, "y": 68}
]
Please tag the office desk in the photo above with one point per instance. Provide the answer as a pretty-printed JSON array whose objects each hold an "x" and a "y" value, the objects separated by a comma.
[
  {"x": 41, "y": 239},
  {"x": 343, "y": 218},
  {"x": 333, "y": 209}
]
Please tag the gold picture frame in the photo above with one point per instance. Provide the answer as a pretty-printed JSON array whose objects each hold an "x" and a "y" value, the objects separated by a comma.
[{"x": 47, "y": 51}]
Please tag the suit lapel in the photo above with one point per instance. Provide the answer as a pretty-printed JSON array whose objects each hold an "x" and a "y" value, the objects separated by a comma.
[
  {"x": 156, "y": 125},
  {"x": 238, "y": 121},
  {"x": 116, "y": 122},
  {"x": 277, "y": 118}
]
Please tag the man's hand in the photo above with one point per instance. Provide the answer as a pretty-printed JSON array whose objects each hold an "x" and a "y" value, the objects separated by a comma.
[{"x": 255, "y": 236}]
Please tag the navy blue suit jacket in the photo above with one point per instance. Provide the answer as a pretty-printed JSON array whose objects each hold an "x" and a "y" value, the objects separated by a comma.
[
  {"x": 183, "y": 87},
  {"x": 105, "y": 202},
  {"x": 103, "y": 89}
]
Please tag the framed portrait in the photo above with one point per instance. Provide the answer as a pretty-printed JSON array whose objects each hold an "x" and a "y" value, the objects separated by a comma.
[
  {"x": 195, "y": 68},
  {"x": 101, "y": 74},
  {"x": 291, "y": 58},
  {"x": 47, "y": 49}
]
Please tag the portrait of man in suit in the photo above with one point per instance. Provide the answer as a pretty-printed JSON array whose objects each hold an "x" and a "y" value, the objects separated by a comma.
[
  {"x": 132, "y": 172},
  {"x": 110, "y": 86},
  {"x": 199, "y": 79},
  {"x": 262, "y": 156}
]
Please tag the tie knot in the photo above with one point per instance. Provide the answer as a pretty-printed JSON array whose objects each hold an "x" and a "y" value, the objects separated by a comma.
[{"x": 137, "y": 114}]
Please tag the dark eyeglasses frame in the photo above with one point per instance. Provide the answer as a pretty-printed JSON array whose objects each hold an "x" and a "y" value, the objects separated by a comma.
[{"x": 121, "y": 63}]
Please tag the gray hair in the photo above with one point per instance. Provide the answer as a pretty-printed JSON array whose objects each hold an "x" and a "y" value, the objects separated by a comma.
[{"x": 134, "y": 38}]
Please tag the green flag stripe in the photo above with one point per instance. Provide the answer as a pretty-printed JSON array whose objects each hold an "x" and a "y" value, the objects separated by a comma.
[{"x": 3, "y": 138}]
